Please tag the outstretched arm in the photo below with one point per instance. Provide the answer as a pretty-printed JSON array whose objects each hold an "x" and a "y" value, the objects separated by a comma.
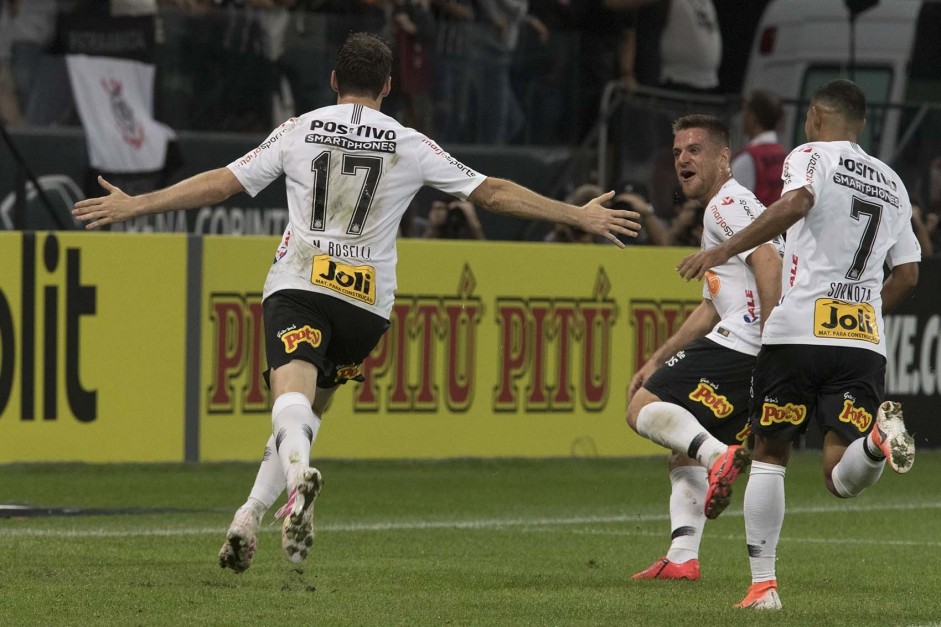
[
  {"x": 203, "y": 189},
  {"x": 508, "y": 198},
  {"x": 792, "y": 206}
]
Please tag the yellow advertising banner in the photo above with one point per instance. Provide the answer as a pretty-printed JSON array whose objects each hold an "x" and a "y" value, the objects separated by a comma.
[
  {"x": 92, "y": 339},
  {"x": 494, "y": 349},
  {"x": 235, "y": 404}
]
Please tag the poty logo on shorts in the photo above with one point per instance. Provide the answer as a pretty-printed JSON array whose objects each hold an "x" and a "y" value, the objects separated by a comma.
[
  {"x": 772, "y": 413},
  {"x": 707, "y": 395},
  {"x": 856, "y": 416},
  {"x": 306, "y": 333},
  {"x": 349, "y": 372}
]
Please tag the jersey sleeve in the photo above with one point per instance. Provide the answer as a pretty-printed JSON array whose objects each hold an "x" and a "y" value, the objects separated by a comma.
[
  {"x": 443, "y": 172},
  {"x": 906, "y": 248},
  {"x": 805, "y": 167},
  {"x": 258, "y": 168}
]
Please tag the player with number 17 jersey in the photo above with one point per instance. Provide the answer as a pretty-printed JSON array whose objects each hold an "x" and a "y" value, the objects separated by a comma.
[
  {"x": 833, "y": 257},
  {"x": 351, "y": 172}
]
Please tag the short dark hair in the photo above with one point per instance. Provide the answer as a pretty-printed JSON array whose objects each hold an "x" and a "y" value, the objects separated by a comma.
[
  {"x": 766, "y": 107},
  {"x": 845, "y": 97},
  {"x": 718, "y": 130},
  {"x": 364, "y": 64}
]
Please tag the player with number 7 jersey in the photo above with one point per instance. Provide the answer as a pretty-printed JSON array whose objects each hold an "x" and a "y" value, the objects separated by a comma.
[
  {"x": 822, "y": 358},
  {"x": 833, "y": 268}
]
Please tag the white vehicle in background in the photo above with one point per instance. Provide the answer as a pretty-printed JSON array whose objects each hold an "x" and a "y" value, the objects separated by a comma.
[{"x": 892, "y": 49}]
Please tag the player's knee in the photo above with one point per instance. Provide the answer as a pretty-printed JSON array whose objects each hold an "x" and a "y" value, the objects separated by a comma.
[
  {"x": 633, "y": 409},
  {"x": 832, "y": 487}
]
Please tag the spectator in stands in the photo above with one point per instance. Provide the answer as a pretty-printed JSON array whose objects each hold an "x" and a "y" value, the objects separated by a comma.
[
  {"x": 453, "y": 20},
  {"x": 27, "y": 29},
  {"x": 690, "y": 47},
  {"x": 924, "y": 227},
  {"x": 497, "y": 111},
  {"x": 542, "y": 74},
  {"x": 608, "y": 50},
  {"x": 414, "y": 29},
  {"x": 932, "y": 211},
  {"x": 564, "y": 233},
  {"x": 758, "y": 166},
  {"x": 686, "y": 227},
  {"x": 454, "y": 219},
  {"x": 634, "y": 198}
]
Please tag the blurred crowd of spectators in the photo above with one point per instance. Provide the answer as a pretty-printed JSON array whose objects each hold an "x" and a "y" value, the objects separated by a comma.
[
  {"x": 481, "y": 71},
  {"x": 466, "y": 71}
]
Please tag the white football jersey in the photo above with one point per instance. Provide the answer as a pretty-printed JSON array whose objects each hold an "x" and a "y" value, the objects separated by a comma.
[
  {"x": 350, "y": 173},
  {"x": 833, "y": 259},
  {"x": 731, "y": 286}
]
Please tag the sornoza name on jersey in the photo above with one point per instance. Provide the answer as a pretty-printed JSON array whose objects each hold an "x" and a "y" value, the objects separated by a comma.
[{"x": 373, "y": 139}]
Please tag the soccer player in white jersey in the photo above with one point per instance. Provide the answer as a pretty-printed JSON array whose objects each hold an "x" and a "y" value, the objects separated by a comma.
[
  {"x": 693, "y": 393},
  {"x": 847, "y": 215},
  {"x": 350, "y": 173}
]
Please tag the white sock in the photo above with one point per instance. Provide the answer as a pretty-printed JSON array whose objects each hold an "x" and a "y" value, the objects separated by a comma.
[
  {"x": 764, "y": 516},
  {"x": 675, "y": 428},
  {"x": 856, "y": 470},
  {"x": 687, "y": 518},
  {"x": 269, "y": 482},
  {"x": 295, "y": 427}
]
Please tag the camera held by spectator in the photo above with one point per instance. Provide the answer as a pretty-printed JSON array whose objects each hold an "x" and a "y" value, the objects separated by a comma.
[{"x": 455, "y": 219}]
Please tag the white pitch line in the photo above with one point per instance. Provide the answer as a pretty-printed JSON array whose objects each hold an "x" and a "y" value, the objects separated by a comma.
[
  {"x": 421, "y": 525},
  {"x": 785, "y": 538}
]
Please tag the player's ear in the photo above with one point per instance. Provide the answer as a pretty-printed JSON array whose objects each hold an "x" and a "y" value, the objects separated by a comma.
[
  {"x": 333, "y": 82},
  {"x": 387, "y": 88}
]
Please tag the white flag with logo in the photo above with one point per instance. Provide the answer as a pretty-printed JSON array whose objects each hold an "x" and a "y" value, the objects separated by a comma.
[{"x": 115, "y": 103}]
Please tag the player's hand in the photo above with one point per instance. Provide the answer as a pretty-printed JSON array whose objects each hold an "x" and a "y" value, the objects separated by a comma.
[
  {"x": 597, "y": 219},
  {"x": 695, "y": 266},
  {"x": 640, "y": 377},
  {"x": 98, "y": 212}
]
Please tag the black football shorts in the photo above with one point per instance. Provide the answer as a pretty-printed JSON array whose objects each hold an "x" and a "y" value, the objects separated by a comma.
[
  {"x": 838, "y": 387},
  {"x": 330, "y": 333},
  {"x": 713, "y": 383}
]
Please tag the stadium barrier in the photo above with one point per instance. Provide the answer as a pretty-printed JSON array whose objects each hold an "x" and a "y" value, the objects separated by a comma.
[{"x": 148, "y": 347}]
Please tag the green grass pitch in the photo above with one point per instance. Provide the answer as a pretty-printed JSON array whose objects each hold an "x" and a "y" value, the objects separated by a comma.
[{"x": 465, "y": 542}]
